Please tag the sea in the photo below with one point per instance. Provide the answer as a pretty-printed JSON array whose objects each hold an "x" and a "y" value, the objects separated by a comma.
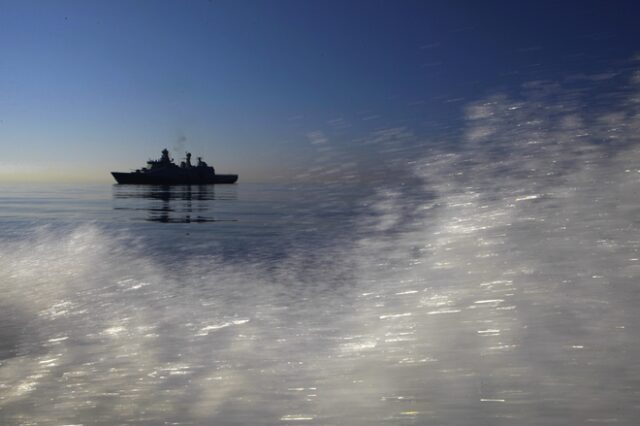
[{"x": 492, "y": 281}]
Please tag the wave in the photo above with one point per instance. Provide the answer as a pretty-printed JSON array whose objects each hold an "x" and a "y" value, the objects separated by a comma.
[{"x": 501, "y": 288}]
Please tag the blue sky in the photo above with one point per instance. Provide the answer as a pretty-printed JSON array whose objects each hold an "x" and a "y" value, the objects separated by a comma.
[{"x": 93, "y": 86}]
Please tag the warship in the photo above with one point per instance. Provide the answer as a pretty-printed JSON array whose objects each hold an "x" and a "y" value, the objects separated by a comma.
[{"x": 165, "y": 172}]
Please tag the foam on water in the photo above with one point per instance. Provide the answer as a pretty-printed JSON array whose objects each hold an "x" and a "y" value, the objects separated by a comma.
[{"x": 507, "y": 294}]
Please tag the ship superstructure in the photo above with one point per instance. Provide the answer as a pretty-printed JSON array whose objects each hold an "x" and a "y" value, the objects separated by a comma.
[{"x": 165, "y": 172}]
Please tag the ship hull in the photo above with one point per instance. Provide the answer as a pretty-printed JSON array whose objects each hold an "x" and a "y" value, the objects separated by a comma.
[{"x": 186, "y": 179}]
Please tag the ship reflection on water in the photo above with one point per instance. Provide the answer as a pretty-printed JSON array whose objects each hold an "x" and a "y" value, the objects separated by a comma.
[{"x": 174, "y": 203}]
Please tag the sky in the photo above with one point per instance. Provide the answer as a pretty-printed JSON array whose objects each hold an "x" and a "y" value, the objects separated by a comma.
[{"x": 255, "y": 87}]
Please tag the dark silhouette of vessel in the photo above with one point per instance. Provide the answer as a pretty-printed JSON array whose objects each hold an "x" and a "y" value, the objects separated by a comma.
[{"x": 165, "y": 172}]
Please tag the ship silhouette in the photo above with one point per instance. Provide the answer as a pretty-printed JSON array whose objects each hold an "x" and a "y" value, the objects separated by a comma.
[{"x": 165, "y": 172}]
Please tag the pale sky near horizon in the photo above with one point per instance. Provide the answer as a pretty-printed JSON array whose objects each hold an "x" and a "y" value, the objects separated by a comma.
[{"x": 255, "y": 87}]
